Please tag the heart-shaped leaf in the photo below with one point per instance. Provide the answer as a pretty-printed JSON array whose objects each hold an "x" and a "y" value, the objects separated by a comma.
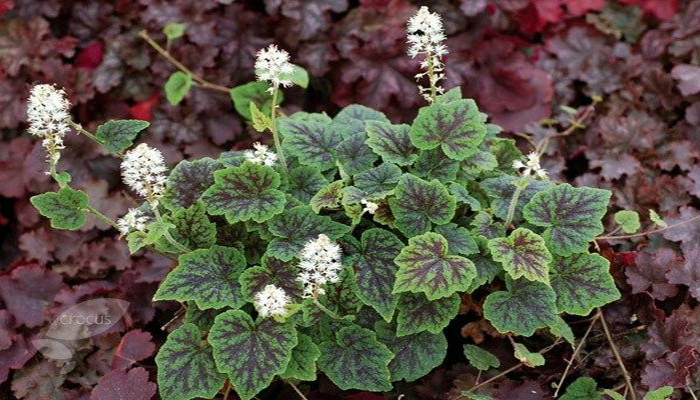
[
  {"x": 314, "y": 143},
  {"x": 391, "y": 142},
  {"x": 192, "y": 227},
  {"x": 456, "y": 126},
  {"x": 354, "y": 155},
  {"x": 245, "y": 193},
  {"x": 253, "y": 92},
  {"x": 525, "y": 307},
  {"x": 418, "y": 314},
  {"x": 305, "y": 182},
  {"x": 353, "y": 119},
  {"x": 418, "y": 203},
  {"x": 501, "y": 190},
  {"x": 582, "y": 282},
  {"x": 462, "y": 196},
  {"x": 481, "y": 161},
  {"x": 186, "y": 368},
  {"x": 118, "y": 135},
  {"x": 426, "y": 267},
  {"x": 251, "y": 352},
  {"x": 356, "y": 360},
  {"x": 434, "y": 164},
  {"x": 414, "y": 355},
  {"x": 177, "y": 87},
  {"x": 296, "y": 226},
  {"x": 65, "y": 208},
  {"x": 571, "y": 215},
  {"x": 328, "y": 196},
  {"x": 583, "y": 388},
  {"x": 188, "y": 180},
  {"x": 272, "y": 272},
  {"x": 628, "y": 221},
  {"x": 480, "y": 358},
  {"x": 527, "y": 357},
  {"x": 203, "y": 319},
  {"x": 522, "y": 253},
  {"x": 209, "y": 277},
  {"x": 302, "y": 366},
  {"x": 375, "y": 270},
  {"x": 378, "y": 181},
  {"x": 459, "y": 240}
]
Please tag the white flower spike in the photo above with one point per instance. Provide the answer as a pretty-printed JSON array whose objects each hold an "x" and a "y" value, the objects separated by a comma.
[
  {"x": 272, "y": 301},
  {"x": 531, "y": 166},
  {"x": 143, "y": 170},
  {"x": 271, "y": 65},
  {"x": 369, "y": 206},
  {"x": 261, "y": 155},
  {"x": 426, "y": 38},
  {"x": 49, "y": 118},
  {"x": 133, "y": 220},
  {"x": 320, "y": 264}
]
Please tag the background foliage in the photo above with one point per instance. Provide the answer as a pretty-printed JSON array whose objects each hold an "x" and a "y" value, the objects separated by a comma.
[{"x": 521, "y": 60}]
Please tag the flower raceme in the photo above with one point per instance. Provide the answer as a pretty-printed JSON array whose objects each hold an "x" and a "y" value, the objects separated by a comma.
[
  {"x": 272, "y": 65},
  {"x": 133, "y": 220},
  {"x": 425, "y": 38},
  {"x": 143, "y": 170},
  {"x": 531, "y": 166},
  {"x": 272, "y": 301},
  {"x": 261, "y": 155},
  {"x": 48, "y": 117},
  {"x": 320, "y": 264}
]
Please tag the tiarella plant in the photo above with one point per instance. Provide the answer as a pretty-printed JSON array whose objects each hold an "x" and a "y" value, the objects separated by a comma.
[{"x": 348, "y": 246}]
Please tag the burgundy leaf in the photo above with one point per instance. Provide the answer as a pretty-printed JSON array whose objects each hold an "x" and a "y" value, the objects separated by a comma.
[
  {"x": 648, "y": 273},
  {"x": 123, "y": 385},
  {"x": 27, "y": 291},
  {"x": 134, "y": 347},
  {"x": 672, "y": 370}
]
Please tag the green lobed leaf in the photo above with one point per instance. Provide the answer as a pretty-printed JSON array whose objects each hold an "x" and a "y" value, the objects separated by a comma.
[
  {"x": 63, "y": 178},
  {"x": 353, "y": 119},
  {"x": 375, "y": 270},
  {"x": 480, "y": 161},
  {"x": 522, "y": 253},
  {"x": 177, "y": 87},
  {"x": 186, "y": 368},
  {"x": 314, "y": 143},
  {"x": 662, "y": 393},
  {"x": 462, "y": 196},
  {"x": 434, "y": 164},
  {"x": 459, "y": 240},
  {"x": 571, "y": 215},
  {"x": 341, "y": 297},
  {"x": 656, "y": 219},
  {"x": 354, "y": 155},
  {"x": 253, "y": 92},
  {"x": 356, "y": 360},
  {"x": 156, "y": 231},
  {"x": 261, "y": 122},
  {"x": 456, "y": 126},
  {"x": 486, "y": 270},
  {"x": 203, "y": 319},
  {"x": 302, "y": 366},
  {"x": 378, "y": 181},
  {"x": 414, "y": 355},
  {"x": 418, "y": 203},
  {"x": 485, "y": 227},
  {"x": 136, "y": 240},
  {"x": 271, "y": 272},
  {"x": 251, "y": 352},
  {"x": 245, "y": 193},
  {"x": 613, "y": 394},
  {"x": 426, "y": 267},
  {"x": 64, "y": 208},
  {"x": 305, "y": 182},
  {"x": 118, "y": 135},
  {"x": 628, "y": 221},
  {"x": 523, "y": 308},
  {"x": 583, "y": 388},
  {"x": 582, "y": 282},
  {"x": 188, "y": 180},
  {"x": 561, "y": 329},
  {"x": 391, "y": 142},
  {"x": 295, "y": 227},
  {"x": 501, "y": 190},
  {"x": 193, "y": 228},
  {"x": 418, "y": 314},
  {"x": 527, "y": 357},
  {"x": 209, "y": 277},
  {"x": 298, "y": 76},
  {"x": 506, "y": 151},
  {"x": 174, "y": 30},
  {"x": 328, "y": 196},
  {"x": 480, "y": 358}
]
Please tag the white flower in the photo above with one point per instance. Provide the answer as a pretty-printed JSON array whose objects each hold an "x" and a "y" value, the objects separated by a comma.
[
  {"x": 426, "y": 37},
  {"x": 48, "y": 117},
  {"x": 261, "y": 155},
  {"x": 133, "y": 220},
  {"x": 143, "y": 170},
  {"x": 271, "y": 301},
  {"x": 271, "y": 64},
  {"x": 531, "y": 166},
  {"x": 370, "y": 207},
  {"x": 319, "y": 264}
]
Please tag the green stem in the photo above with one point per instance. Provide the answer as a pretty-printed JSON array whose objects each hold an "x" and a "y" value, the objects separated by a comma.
[
  {"x": 326, "y": 310},
  {"x": 102, "y": 217},
  {"x": 90, "y": 136},
  {"x": 431, "y": 75},
  {"x": 273, "y": 128},
  {"x": 519, "y": 187},
  {"x": 167, "y": 235}
]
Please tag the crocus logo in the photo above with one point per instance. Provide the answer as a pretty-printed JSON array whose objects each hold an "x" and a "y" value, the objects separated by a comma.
[{"x": 81, "y": 321}]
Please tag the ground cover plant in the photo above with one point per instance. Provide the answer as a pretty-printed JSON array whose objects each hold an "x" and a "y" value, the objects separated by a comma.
[{"x": 344, "y": 256}]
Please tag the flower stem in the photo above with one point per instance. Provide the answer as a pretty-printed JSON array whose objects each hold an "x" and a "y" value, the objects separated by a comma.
[
  {"x": 325, "y": 309},
  {"x": 519, "y": 187},
  {"x": 90, "y": 136},
  {"x": 102, "y": 217},
  {"x": 273, "y": 129},
  {"x": 695, "y": 218},
  {"x": 167, "y": 235},
  {"x": 431, "y": 77}
]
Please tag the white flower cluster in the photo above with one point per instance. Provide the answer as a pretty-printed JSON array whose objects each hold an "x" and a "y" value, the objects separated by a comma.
[
  {"x": 272, "y": 301},
  {"x": 271, "y": 65},
  {"x": 133, "y": 220},
  {"x": 143, "y": 170},
  {"x": 261, "y": 155},
  {"x": 531, "y": 166},
  {"x": 48, "y": 117},
  {"x": 369, "y": 206},
  {"x": 319, "y": 264},
  {"x": 426, "y": 37}
]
